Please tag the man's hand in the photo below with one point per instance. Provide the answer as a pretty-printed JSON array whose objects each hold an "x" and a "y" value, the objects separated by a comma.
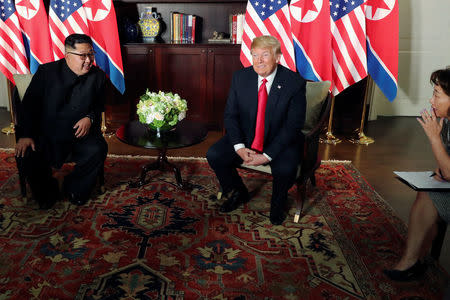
[
  {"x": 22, "y": 145},
  {"x": 257, "y": 160},
  {"x": 246, "y": 154},
  {"x": 82, "y": 127}
]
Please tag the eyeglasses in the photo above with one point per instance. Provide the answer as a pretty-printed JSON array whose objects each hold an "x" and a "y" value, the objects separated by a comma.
[{"x": 84, "y": 56}]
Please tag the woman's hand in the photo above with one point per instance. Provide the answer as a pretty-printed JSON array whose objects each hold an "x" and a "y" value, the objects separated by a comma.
[{"x": 431, "y": 125}]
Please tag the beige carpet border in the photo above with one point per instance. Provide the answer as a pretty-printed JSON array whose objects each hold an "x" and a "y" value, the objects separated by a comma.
[{"x": 331, "y": 161}]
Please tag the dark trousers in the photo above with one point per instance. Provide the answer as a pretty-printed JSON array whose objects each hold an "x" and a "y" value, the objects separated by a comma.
[
  {"x": 223, "y": 160},
  {"x": 88, "y": 154}
]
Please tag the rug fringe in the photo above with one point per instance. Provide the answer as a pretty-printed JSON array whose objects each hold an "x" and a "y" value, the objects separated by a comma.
[
  {"x": 336, "y": 161},
  {"x": 155, "y": 157},
  {"x": 330, "y": 161},
  {"x": 134, "y": 156}
]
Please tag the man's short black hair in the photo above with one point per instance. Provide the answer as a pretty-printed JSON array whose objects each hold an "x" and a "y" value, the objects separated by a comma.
[{"x": 77, "y": 38}]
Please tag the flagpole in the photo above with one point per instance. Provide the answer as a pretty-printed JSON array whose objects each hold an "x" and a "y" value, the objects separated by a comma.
[
  {"x": 330, "y": 138},
  {"x": 10, "y": 128},
  {"x": 362, "y": 139},
  {"x": 103, "y": 127}
]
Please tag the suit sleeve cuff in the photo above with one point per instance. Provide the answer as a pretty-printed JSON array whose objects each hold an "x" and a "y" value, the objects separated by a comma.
[{"x": 267, "y": 156}]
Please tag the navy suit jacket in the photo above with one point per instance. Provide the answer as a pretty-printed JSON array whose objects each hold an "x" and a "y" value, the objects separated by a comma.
[{"x": 285, "y": 110}]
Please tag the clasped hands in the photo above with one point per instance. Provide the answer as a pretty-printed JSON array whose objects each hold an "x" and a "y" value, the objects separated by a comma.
[
  {"x": 431, "y": 125},
  {"x": 251, "y": 157}
]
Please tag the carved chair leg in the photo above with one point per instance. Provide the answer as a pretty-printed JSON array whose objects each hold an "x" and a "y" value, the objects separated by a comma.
[
  {"x": 219, "y": 194},
  {"x": 23, "y": 186},
  {"x": 301, "y": 195},
  {"x": 101, "y": 181}
]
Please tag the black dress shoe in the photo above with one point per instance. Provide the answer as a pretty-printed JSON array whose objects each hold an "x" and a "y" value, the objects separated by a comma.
[
  {"x": 47, "y": 204},
  {"x": 76, "y": 199},
  {"x": 412, "y": 273},
  {"x": 234, "y": 198},
  {"x": 277, "y": 218}
]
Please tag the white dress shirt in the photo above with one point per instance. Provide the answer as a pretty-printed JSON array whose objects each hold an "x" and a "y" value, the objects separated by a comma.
[{"x": 269, "y": 82}]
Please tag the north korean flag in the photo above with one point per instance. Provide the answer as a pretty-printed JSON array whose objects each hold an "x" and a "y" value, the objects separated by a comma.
[
  {"x": 102, "y": 25},
  {"x": 34, "y": 23},
  {"x": 310, "y": 21},
  {"x": 382, "y": 44}
]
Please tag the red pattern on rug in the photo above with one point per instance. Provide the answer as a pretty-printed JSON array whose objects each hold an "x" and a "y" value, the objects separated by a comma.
[{"x": 160, "y": 242}]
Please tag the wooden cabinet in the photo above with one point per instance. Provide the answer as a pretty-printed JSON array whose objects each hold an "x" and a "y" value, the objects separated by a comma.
[
  {"x": 222, "y": 63},
  {"x": 200, "y": 73},
  {"x": 182, "y": 70}
]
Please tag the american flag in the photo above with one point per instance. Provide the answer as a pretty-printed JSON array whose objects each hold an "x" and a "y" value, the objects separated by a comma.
[
  {"x": 65, "y": 17},
  {"x": 348, "y": 28},
  {"x": 12, "y": 51},
  {"x": 268, "y": 17}
]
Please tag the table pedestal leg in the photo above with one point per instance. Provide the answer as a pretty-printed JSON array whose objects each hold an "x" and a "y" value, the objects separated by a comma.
[{"x": 160, "y": 164}]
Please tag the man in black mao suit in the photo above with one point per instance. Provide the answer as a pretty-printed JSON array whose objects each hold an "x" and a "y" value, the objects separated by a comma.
[
  {"x": 62, "y": 115},
  {"x": 282, "y": 140}
]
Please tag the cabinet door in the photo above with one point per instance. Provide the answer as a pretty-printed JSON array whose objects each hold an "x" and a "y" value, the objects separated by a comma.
[
  {"x": 182, "y": 70},
  {"x": 139, "y": 73},
  {"x": 222, "y": 63}
]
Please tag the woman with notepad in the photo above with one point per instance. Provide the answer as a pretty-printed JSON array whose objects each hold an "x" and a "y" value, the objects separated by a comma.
[{"x": 429, "y": 207}]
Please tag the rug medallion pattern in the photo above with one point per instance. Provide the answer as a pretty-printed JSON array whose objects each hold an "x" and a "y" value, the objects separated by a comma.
[{"x": 160, "y": 242}]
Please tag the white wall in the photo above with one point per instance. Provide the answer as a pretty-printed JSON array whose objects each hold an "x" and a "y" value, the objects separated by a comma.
[
  {"x": 4, "y": 101},
  {"x": 424, "y": 46}
]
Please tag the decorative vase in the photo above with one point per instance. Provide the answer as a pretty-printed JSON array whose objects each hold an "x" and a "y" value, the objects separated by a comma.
[
  {"x": 162, "y": 130},
  {"x": 150, "y": 25},
  {"x": 130, "y": 31}
]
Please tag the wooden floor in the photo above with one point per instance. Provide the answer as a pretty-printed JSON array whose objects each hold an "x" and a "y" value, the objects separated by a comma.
[{"x": 400, "y": 144}]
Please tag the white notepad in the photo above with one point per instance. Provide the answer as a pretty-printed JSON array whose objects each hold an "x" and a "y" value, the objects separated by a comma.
[{"x": 422, "y": 181}]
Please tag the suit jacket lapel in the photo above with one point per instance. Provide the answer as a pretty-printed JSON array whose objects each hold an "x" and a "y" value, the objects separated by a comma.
[
  {"x": 253, "y": 101},
  {"x": 272, "y": 100}
]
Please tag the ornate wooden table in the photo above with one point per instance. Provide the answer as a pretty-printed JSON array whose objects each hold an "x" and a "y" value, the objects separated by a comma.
[{"x": 186, "y": 133}]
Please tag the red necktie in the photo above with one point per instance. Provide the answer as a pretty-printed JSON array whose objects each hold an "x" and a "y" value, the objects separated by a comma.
[{"x": 258, "y": 142}]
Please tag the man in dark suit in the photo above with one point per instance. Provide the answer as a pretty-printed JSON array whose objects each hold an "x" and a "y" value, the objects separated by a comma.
[
  {"x": 264, "y": 115},
  {"x": 62, "y": 116}
]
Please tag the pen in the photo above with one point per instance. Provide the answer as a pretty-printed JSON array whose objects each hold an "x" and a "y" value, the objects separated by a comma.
[{"x": 433, "y": 174}]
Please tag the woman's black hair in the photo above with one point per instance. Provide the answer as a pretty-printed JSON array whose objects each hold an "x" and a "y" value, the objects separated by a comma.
[{"x": 442, "y": 79}]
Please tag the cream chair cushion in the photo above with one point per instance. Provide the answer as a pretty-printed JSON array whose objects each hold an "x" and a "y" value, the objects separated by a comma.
[
  {"x": 316, "y": 93},
  {"x": 22, "y": 83}
]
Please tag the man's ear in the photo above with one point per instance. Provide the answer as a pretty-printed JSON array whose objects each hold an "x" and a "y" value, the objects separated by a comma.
[{"x": 278, "y": 58}]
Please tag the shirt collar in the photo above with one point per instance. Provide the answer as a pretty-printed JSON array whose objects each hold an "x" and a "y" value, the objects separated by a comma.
[{"x": 269, "y": 78}]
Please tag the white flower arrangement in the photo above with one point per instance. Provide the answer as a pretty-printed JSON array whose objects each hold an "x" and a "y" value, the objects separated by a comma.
[{"x": 161, "y": 110}]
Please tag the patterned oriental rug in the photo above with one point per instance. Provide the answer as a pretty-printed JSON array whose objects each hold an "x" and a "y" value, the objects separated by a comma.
[{"x": 160, "y": 242}]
